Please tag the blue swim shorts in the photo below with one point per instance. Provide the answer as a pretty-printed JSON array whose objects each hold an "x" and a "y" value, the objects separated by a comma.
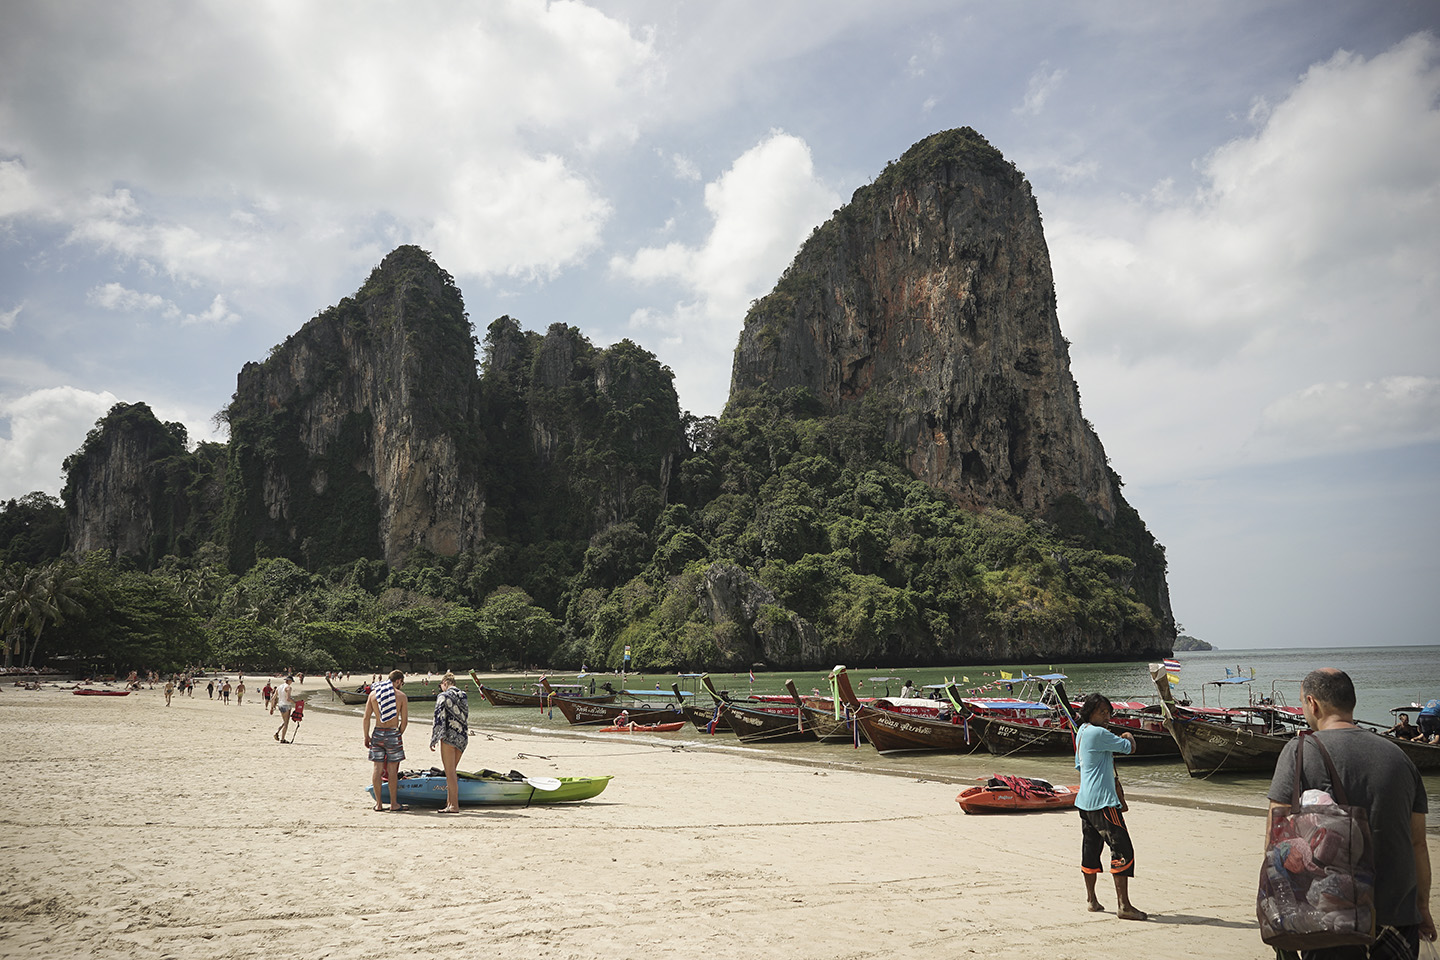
[{"x": 385, "y": 745}]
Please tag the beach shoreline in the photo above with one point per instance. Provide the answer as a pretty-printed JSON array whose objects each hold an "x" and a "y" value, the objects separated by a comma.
[{"x": 145, "y": 831}]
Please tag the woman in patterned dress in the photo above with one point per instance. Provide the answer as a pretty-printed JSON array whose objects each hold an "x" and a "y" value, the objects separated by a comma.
[{"x": 451, "y": 732}]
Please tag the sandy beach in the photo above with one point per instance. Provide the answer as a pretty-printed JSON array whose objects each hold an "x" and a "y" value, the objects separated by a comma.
[{"x": 135, "y": 830}]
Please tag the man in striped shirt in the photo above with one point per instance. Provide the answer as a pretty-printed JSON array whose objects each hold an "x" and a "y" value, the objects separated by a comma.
[{"x": 388, "y": 706}]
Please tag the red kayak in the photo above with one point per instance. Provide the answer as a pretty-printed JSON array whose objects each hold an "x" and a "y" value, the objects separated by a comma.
[
  {"x": 1006, "y": 794},
  {"x": 86, "y": 692},
  {"x": 644, "y": 728}
]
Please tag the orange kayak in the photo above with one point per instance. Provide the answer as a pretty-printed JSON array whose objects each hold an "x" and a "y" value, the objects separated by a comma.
[
  {"x": 1006, "y": 794},
  {"x": 645, "y": 728}
]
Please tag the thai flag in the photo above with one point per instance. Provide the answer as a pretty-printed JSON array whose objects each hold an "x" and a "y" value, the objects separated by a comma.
[
  {"x": 752, "y": 676},
  {"x": 1172, "y": 671}
]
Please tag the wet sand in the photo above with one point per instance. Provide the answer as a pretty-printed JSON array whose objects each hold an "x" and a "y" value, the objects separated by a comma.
[{"x": 137, "y": 831}]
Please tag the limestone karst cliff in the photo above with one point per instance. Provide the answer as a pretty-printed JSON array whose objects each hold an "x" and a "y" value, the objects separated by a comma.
[
  {"x": 134, "y": 490},
  {"x": 931, "y": 294},
  {"x": 357, "y": 437},
  {"x": 902, "y": 474}
]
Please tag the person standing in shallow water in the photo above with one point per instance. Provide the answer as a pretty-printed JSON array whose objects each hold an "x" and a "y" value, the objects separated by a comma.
[
  {"x": 1101, "y": 805},
  {"x": 451, "y": 731}
]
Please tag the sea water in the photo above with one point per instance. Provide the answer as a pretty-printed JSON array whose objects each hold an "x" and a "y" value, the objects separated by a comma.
[{"x": 1385, "y": 677}]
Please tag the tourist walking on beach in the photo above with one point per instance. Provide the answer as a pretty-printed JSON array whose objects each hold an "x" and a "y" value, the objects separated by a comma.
[
  {"x": 285, "y": 702},
  {"x": 240, "y": 692},
  {"x": 225, "y": 692},
  {"x": 451, "y": 731},
  {"x": 390, "y": 709},
  {"x": 169, "y": 691},
  {"x": 1101, "y": 804},
  {"x": 1375, "y": 774},
  {"x": 210, "y": 688}
]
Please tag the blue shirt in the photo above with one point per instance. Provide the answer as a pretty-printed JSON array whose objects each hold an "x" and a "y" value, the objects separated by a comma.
[{"x": 1095, "y": 749}]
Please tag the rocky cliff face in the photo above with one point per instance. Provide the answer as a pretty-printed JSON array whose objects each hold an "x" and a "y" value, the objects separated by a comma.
[
  {"x": 134, "y": 490},
  {"x": 358, "y": 436},
  {"x": 931, "y": 295},
  {"x": 583, "y": 437}
]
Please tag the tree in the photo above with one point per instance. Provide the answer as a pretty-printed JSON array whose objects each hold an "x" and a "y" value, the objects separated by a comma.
[{"x": 35, "y": 598}]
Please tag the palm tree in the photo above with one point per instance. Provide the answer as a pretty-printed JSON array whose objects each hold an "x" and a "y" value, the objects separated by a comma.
[{"x": 34, "y": 598}]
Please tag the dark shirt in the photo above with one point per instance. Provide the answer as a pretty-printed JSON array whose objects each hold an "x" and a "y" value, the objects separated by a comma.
[{"x": 1375, "y": 774}]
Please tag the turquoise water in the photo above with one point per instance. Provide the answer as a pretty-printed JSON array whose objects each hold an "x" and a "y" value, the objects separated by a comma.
[{"x": 1384, "y": 677}]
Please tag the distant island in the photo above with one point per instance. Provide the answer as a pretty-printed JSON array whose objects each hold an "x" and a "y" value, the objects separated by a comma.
[{"x": 1189, "y": 644}]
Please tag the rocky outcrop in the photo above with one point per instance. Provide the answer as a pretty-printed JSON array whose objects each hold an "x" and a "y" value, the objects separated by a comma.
[
  {"x": 930, "y": 297},
  {"x": 358, "y": 436},
  {"x": 583, "y": 437},
  {"x": 133, "y": 489},
  {"x": 752, "y": 625}
]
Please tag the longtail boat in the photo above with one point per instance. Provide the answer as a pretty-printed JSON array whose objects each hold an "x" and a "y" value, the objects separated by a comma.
[
  {"x": 510, "y": 698},
  {"x": 352, "y": 697},
  {"x": 775, "y": 723},
  {"x": 708, "y": 720},
  {"x": 1150, "y": 743},
  {"x": 890, "y": 732},
  {"x": 1005, "y": 736},
  {"x": 1225, "y": 743},
  {"x": 90, "y": 692},
  {"x": 588, "y": 712},
  {"x": 828, "y": 727},
  {"x": 362, "y": 693},
  {"x": 1005, "y": 794}
]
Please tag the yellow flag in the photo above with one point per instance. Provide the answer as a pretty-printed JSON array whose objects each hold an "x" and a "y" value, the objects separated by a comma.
[
  {"x": 1006, "y": 676},
  {"x": 965, "y": 679}
]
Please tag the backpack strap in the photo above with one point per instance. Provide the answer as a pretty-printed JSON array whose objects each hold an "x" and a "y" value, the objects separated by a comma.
[{"x": 1337, "y": 789}]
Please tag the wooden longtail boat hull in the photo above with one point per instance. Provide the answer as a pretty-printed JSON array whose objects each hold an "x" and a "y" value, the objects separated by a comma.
[
  {"x": 753, "y": 723},
  {"x": 1208, "y": 747},
  {"x": 1425, "y": 756},
  {"x": 429, "y": 791},
  {"x": 587, "y": 712},
  {"x": 827, "y": 728},
  {"x": 1004, "y": 737},
  {"x": 1149, "y": 744},
  {"x": 509, "y": 698},
  {"x": 701, "y": 717},
  {"x": 758, "y": 726},
  {"x": 352, "y": 697},
  {"x": 355, "y": 697},
  {"x": 890, "y": 732},
  {"x": 85, "y": 692}
]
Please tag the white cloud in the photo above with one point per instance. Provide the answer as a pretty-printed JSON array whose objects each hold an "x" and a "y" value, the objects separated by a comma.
[
  {"x": 1309, "y": 256},
  {"x": 7, "y": 317},
  {"x": 46, "y": 426},
  {"x": 217, "y": 313},
  {"x": 762, "y": 208},
  {"x": 460, "y": 129},
  {"x": 116, "y": 296},
  {"x": 1042, "y": 83},
  {"x": 17, "y": 194},
  {"x": 1328, "y": 417}
]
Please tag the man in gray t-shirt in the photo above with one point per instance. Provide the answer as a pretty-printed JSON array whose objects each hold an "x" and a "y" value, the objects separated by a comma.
[{"x": 1375, "y": 774}]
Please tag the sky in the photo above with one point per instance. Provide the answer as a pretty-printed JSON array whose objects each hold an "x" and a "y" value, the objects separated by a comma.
[{"x": 1241, "y": 199}]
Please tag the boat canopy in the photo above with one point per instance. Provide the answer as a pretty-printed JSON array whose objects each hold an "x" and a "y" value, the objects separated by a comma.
[
  {"x": 1232, "y": 680},
  {"x": 656, "y": 693},
  {"x": 1006, "y": 704},
  {"x": 885, "y": 679}
]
